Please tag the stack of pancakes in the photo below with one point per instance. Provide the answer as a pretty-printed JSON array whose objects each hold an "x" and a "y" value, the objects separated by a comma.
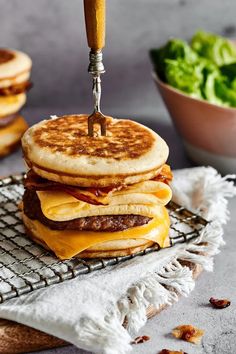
[
  {"x": 15, "y": 70},
  {"x": 98, "y": 196}
]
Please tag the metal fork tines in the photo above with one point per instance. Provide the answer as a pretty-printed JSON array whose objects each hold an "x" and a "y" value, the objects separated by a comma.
[{"x": 96, "y": 68}]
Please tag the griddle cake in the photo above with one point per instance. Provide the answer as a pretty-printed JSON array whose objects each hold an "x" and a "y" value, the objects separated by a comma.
[
  {"x": 60, "y": 149},
  {"x": 68, "y": 135},
  {"x": 15, "y": 67}
]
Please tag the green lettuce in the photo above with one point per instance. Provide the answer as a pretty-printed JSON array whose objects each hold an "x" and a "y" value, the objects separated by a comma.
[
  {"x": 226, "y": 84},
  {"x": 174, "y": 49},
  {"x": 206, "y": 69},
  {"x": 185, "y": 76},
  {"x": 210, "y": 74},
  {"x": 225, "y": 91},
  {"x": 229, "y": 71},
  {"x": 213, "y": 47}
]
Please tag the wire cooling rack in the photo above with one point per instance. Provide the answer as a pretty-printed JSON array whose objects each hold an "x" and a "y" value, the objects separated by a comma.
[{"x": 25, "y": 266}]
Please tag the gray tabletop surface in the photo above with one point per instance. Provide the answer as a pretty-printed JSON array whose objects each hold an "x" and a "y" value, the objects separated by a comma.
[{"x": 219, "y": 325}]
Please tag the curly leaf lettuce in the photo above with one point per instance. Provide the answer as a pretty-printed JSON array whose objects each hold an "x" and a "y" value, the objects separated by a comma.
[
  {"x": 174, "y": 49},
  {"x": 213, "y": 47},
  {"x": 225, "y": 91},
  {"x": 205, "y": 70},
  {"x": 185, "y": 76}
]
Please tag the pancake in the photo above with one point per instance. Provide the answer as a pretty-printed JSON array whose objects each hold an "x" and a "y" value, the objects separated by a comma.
[
  {"x": 60, "y": 150},
  {"x": 11, "y": 134},
  {"x": 15, "y": 67}
]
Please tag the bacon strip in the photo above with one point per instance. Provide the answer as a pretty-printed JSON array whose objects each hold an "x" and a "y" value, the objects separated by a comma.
[
  {"x": 83, "y": 197},
  {"x": 165, "y": 175},
  {"x": 16, "y": 89},
  {"x": 37, "y": 183}
]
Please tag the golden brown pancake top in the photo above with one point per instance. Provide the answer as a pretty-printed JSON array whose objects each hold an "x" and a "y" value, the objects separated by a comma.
[
  {"x": 69, "y": 135},
  {"x": 5, "y": 56}
]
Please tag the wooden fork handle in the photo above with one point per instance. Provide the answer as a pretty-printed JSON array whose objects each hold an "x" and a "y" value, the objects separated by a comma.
[{"x": 95, "y": 20}]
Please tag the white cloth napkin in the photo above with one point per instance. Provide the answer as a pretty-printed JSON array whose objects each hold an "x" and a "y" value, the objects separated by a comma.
[{"x": 89, "y": 311}]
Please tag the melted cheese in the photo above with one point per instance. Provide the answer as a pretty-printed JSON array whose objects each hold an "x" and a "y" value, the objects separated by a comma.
[
  {"x": 145, "y": 198},
  {"x": 11, "y": 104},
  {"x": 68, "y": 243}
]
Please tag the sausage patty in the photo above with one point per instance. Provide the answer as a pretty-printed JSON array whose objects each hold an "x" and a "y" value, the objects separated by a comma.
[{"x": 110, "y": 223}]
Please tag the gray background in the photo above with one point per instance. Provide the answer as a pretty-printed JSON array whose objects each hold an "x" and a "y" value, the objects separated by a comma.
[{"x": 52, "y": 32}]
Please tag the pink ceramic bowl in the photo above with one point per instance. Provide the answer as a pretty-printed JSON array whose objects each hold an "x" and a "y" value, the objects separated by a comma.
[{"x": 208, "y": 131}]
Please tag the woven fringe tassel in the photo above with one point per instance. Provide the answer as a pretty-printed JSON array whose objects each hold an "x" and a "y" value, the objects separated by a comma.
[
  {"x": 133, "y": 307},
  {"x": 178, "y": 277},
  {"x": 209, "y": 241},
  {"x": 211, "y": 192},
  {"x": 106, "y": 337},
  {"x": 157, "y": 290},
  {"x": 201, "y": 250},
  {"x": 204, "y": 261}
]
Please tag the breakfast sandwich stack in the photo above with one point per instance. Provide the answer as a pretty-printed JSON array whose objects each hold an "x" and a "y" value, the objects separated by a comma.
[
  {"x": 100, "y": 196},
  {"x": 15, "y": 68}
]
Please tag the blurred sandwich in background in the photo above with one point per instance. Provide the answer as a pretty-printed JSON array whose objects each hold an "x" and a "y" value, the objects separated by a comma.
[{"x": 15, "y": 69}]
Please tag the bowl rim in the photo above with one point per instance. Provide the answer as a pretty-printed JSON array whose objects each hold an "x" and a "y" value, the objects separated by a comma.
[{"x": 181, "y": 93}]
